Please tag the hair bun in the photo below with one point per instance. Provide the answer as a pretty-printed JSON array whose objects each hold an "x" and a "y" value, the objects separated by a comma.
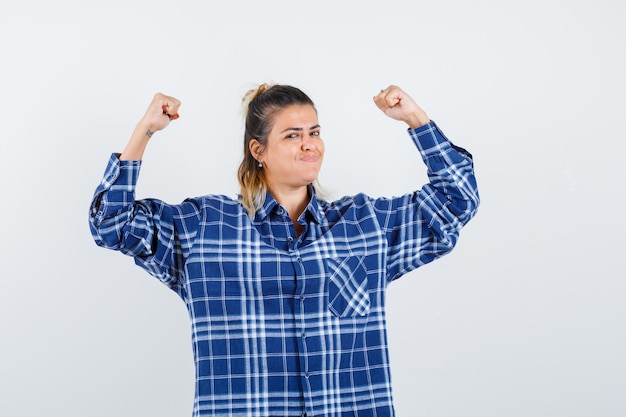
[{"x": 252, "y": 94}]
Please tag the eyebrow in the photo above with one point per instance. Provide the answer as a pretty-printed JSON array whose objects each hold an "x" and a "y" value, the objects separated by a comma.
[{"x": 299, "y": 129}]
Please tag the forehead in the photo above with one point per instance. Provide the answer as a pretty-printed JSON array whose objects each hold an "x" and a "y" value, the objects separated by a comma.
[{"x": 302, "y": 116}]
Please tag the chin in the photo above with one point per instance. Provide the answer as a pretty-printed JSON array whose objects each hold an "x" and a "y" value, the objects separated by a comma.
[{"x": 310, "y": 179}]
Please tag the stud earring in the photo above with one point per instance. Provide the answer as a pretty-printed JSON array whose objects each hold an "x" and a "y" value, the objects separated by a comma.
[{"x": 260, "y": 164}]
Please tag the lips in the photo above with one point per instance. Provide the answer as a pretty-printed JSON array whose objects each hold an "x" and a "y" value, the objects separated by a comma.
[{"x": 310, "y": 158}]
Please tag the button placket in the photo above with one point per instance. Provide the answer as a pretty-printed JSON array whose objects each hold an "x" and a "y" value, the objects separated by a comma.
[{"x": 302, "y": 335}]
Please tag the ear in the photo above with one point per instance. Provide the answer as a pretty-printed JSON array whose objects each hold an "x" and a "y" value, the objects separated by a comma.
[{"x": 256, "y": 149}]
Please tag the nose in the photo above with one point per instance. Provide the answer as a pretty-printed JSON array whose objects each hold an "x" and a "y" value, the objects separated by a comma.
[{"x": 308, "y": 143}]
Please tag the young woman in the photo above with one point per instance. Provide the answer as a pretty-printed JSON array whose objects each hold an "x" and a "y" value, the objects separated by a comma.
[{"x": 285, "y": 291}]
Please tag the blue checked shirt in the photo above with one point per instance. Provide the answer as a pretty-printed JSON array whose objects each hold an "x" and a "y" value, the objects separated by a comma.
[{"x": 285, "y": 325}]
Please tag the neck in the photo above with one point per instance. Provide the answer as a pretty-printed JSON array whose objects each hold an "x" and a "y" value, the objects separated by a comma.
[{"x": 293, "y": 200}]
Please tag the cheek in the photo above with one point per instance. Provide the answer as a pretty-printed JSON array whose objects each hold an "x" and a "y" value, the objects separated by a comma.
[{"x": 283, "y": 155}]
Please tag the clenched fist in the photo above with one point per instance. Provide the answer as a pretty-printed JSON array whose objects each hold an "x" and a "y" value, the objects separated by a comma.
[{"x": 398, "y": 105}]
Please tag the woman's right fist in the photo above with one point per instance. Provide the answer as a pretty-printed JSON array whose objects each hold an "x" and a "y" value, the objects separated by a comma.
[{"x": 160, "y": 112}]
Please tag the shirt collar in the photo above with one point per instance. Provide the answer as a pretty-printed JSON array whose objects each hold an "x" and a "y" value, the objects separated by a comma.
[{"x": 312, "y": 209}]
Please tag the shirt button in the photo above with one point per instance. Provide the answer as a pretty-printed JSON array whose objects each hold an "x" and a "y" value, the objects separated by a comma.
[
  {"x": 290, "y": 239},
  {"x": 299, "y": 259},
  {"x": 303, "y": 335},
  {"x": 306, "y": 375}
]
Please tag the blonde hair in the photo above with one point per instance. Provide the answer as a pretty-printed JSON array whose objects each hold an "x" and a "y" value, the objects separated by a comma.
[{"x": 260, "y": 107}]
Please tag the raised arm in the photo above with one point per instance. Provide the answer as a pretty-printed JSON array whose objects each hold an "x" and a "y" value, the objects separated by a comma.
[
  {"x": 156, "y": 234},
  {"x": 424, "y": 225}
]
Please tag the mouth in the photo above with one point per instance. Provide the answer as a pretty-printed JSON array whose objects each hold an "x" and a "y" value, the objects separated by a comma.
[{"x": 310, "y": 158}]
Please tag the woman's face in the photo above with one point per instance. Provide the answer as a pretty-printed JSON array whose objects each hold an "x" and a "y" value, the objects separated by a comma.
[{"x": 294, "y": 152}]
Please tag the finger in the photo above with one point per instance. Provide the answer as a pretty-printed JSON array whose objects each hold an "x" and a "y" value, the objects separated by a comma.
[
  {"x": 170, "y": 112},
  {"x": 380, "y": 99},
  {"x": 392, "y": 101},
  {"x": 388, "y": 98},
  {"x": 165, "y": 104},
  {"x": 392, "y": 95}
]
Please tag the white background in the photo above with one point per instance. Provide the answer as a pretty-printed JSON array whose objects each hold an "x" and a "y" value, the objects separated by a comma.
[{"x": 526, "y": 317}]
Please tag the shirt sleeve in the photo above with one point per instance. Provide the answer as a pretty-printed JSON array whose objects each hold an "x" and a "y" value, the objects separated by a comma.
[
  {"x": 158, "y": 235},
  {"x": 424, "y": 225}
]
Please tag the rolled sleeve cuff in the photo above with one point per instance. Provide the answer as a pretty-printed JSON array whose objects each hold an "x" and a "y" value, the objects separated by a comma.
[
  {"x": 430, "y": 140},
  {"x": 117, "y": 187}
]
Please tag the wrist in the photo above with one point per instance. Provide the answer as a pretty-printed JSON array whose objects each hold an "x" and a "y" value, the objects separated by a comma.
[
  {"x": 144, "y": 130},
  {"x": 417, "y": 119}
]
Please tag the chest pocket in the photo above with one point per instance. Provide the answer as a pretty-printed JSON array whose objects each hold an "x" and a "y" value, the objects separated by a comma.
[{"x": 347, "y": 287}]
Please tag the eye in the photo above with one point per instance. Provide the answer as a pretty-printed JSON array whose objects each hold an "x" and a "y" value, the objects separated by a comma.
[
  {"x": 315, "y": 133},
  {"x": 293, "y": 136}
]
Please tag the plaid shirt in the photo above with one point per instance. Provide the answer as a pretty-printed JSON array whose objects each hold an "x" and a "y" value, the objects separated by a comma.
[{"x": 285, "y": 325}]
